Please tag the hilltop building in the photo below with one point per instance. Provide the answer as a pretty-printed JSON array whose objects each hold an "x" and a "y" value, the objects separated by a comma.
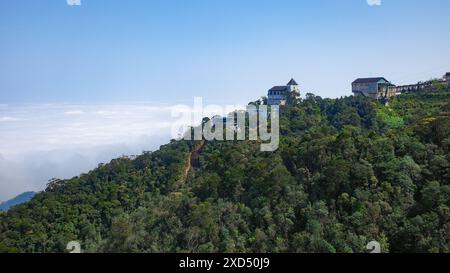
[
  {"x": 381, "y": 89},
  {"x": 278, "y": 95},
  {"x": 375, "y": 88}
]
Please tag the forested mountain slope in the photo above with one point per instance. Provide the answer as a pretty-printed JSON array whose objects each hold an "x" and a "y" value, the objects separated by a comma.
[
  {"x": 21, "y": 198},
  {"x": 348, "y": 171}
]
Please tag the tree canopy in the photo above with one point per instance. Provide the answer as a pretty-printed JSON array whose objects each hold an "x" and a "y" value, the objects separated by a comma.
[{"x": 348, "y": 171}]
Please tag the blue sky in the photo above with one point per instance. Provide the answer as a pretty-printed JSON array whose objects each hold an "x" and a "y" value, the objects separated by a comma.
[{"x": 224, "y": 50}]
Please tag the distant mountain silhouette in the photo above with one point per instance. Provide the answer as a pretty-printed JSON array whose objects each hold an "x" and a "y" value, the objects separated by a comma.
[{"x": 22, "y": 198}]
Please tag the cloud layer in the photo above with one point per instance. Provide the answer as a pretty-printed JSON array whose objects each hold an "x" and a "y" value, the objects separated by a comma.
[
  {"x": 374, "y": 2},
  {"x": 39, "y": 142}
]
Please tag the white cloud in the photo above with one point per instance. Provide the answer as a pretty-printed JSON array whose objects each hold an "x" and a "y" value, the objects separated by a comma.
[
  {"x": 374, "y": 2},
  {"x": 107, "y": 113},
  {"x": 6, "y": 119},
  {"x": 61, "y": 140},
  {"x": 73, "y": 2},
  {"x": 12, "y": 179},
  {"x": 74, "y": 112}
]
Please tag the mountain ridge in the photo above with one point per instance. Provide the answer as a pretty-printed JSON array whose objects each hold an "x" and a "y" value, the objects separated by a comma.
[
  {"x": 19, "y": 199},
  {"x": 348, "y": 171}
]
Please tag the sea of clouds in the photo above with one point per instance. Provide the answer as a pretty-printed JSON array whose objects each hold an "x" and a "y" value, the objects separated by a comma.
[{"x": 40, "y": 142}]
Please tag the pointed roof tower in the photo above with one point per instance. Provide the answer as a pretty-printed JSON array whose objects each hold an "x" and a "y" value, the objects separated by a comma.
[{"x": 292, "y": 82}]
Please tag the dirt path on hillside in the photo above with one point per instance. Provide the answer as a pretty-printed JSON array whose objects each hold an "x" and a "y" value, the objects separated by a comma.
[{"x": 192, "y": 159}]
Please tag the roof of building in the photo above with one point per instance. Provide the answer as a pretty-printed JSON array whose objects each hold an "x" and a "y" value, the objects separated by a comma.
[
  {"x": 278, "y": 88},
  {"x": 370, "y": 80},
  {"x": 292, "y": 82}
]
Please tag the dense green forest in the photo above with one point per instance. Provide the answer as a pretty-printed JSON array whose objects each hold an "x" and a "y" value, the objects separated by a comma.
[{"x": 348, "y": 171}]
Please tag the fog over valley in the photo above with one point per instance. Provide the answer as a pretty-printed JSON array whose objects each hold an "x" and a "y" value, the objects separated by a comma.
[{"x": 40, "y": 142}]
